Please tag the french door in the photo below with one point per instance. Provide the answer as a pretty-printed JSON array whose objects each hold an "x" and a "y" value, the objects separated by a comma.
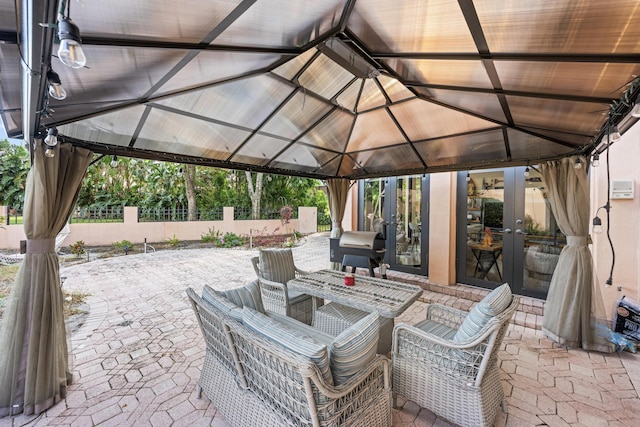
[
  {"x": 399, "y": 205},
  {"x": 506, "y": 231}
]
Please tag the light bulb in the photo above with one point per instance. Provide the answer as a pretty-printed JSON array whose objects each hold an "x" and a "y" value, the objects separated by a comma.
[
  {"x": 578, "y": 164},
  {"x": 526, "y": 172},
  {"x": 595, "y": 160},
  {"x": 635, "y": 111},
  {"x": 597, "y": 225},
  {"x": 614, "y": 134},
  {"x": 468, "y": 177},
  {"x": 50, "y": 152},
  {"x": 70, "y": 49},
  {"x": 114, "y": 161},
  {"x": 56, "y": 90},
  {"x": 52, "y": 138}
]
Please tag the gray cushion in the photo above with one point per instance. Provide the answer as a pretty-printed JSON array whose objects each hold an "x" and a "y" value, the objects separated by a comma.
[
  {"x": 246, "y": 296},
  {"x": 277, "y": 265},
  {"x": 490, "y": 306},
  {"x": 221, "y": 303},
  {"x": 291, "y": 339},
  {"x": 354, "y": 348}
]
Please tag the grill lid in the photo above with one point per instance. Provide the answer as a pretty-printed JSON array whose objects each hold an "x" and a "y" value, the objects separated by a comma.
[{"x": 358, "y": 239}]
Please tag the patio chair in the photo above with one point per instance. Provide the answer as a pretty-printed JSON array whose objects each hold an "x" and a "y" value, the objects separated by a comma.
[
  {"x": 448, "y": 363},
  {"x": 274, "y": 268}
]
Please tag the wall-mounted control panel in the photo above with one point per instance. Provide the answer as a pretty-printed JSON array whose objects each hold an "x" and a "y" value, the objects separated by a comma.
[{"x": 622, "y": 189}]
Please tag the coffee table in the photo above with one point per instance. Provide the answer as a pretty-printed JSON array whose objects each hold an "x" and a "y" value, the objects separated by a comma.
[{"x": 351, "y": 303}]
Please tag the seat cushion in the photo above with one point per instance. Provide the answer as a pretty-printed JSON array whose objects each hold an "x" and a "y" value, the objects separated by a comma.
[
  {"x": 277, "y": 265},
  {"x": 354, "y": 348},
  {"x": 290, "y": 338},
  {"x": 436, "y": 328},
  {"x": 490, "y": 306},
  {"x": 246, "y": 296}
]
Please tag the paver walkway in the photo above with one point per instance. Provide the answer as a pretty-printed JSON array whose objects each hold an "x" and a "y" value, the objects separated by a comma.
[{"x": 136, "y": 360}]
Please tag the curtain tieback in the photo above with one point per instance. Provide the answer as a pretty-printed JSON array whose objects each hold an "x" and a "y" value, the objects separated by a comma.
[
  {"x": 577, "y": 240},
  {"x": 41, "y": 246}
]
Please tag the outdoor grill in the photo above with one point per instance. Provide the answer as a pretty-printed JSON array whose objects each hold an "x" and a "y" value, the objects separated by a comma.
[{"x": 364, "y": 249}]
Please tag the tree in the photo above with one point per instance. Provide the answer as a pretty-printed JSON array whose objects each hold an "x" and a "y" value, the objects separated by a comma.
[
  {"x": 255, "y": 193},
  {"x": 14, "y": 167},
  {"x": 190, "y": 188}
]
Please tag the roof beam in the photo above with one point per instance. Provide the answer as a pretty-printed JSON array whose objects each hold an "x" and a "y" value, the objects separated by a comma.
[
  {"x": 561, "y": 97},
  {"x": 630, "y": 58},
  {"x": 36, "y": 45}
]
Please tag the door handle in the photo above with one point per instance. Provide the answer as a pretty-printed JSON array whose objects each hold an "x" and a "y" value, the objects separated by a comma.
[
  {"x": 518, "y": 231},
  {"x": 507, "y": 231}
]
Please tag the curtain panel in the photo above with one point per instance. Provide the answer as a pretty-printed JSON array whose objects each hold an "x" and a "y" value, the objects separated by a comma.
[
  {"x": 34, "y": 371},
  {"x": 572, "y": 307}
]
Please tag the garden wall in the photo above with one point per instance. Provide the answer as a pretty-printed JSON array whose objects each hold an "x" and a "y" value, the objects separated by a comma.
[{"x": 101, "y": 234}]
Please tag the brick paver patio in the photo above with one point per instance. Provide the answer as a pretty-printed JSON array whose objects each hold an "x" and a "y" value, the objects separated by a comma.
[{"x": 137, "y": 358}]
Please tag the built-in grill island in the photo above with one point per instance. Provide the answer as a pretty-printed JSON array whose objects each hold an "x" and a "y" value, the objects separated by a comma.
[{"x": 365, "y": 249}]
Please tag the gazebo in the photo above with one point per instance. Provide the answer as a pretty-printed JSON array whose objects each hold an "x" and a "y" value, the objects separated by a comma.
[{"x": 337, "y": 90}]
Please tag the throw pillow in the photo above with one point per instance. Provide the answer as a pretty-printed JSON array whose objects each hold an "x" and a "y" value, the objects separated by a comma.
[
  {"x": 292, "y": 339},
  {"x": 246, "y": 296},
  {"x": 354, "y": 348},
  {"x": 277, "y": 265},
  {"x": 490, "y": 306}
]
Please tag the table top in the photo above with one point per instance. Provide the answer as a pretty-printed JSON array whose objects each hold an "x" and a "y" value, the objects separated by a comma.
[
  {"x": 494, "y": 247},
  {"x": 387, "y": 297}
]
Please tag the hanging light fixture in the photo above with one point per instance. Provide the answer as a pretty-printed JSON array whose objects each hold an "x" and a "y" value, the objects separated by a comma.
[
  {"x": 635, "y": 111},
  {"x": 597, "y": 225},
  {"x": 70, "y": 50},
  {"x": 595, "y": 160},
  {"x": 526, "y": 172},
  {"x": 51, "y": 141},
  {"x": 468, "y": 177},
  {"x": 578, "y": 164},
  {"x": 614, "y": 134},
  {"x": 114, "y": 161},
  {"x": 56, "y": 90}
]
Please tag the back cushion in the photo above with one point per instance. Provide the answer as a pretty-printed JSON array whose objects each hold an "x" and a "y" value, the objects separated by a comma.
[
  {"x": 246, "y": 296},
  {"x": 221, "y": 303},
  {"x": 354, "y": 348},
  {"x": 493, "y": 304},
  {"x": 292, "y": 339},
  {"x": 277, "y": 265}
]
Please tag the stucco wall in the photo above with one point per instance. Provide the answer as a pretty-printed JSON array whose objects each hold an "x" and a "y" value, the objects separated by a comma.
[
  {"x": 98, "y": 234},
  {"x": 624, "y": 221}
]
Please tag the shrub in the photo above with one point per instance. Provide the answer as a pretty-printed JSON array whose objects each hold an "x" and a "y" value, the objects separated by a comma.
[
  {"x": 230, "y": 240},
  {"x": 78, "y": 248},
  {"x": 211, "y": 236},
  {"x": 173, "y": 241},
  {"x": 124, "y": 245}
]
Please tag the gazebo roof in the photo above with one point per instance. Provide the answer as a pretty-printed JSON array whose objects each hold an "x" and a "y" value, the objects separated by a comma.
[{"x": 333, "y": 88}]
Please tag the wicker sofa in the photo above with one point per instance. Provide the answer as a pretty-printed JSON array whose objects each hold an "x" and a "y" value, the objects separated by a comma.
[
  {"x": 448, "y": 363},
  {"x": 254, "y": 376}
]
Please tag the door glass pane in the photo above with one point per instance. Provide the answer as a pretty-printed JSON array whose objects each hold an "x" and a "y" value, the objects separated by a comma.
[
  {"x": 408, "y": 220},
  {"x": 374, "y": 205},
  {"x": 543, "y": 239},
  {"x": 485, "y": 207}
]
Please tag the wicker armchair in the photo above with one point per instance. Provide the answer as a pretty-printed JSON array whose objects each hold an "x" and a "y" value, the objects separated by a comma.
[
  {"x": 274, "y": 268},
  {"x": 457, "y": 380}
]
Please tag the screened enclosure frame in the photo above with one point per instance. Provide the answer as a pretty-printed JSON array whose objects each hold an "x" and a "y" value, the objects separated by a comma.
[{"x": 339, "y": 88}]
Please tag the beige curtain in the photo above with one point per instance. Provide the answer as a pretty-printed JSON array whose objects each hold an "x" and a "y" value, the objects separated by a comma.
[
  {"x": 338, "y": 189},
  {"x": 34, "y": 370},
  {"x": 571, "y": 309}
]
